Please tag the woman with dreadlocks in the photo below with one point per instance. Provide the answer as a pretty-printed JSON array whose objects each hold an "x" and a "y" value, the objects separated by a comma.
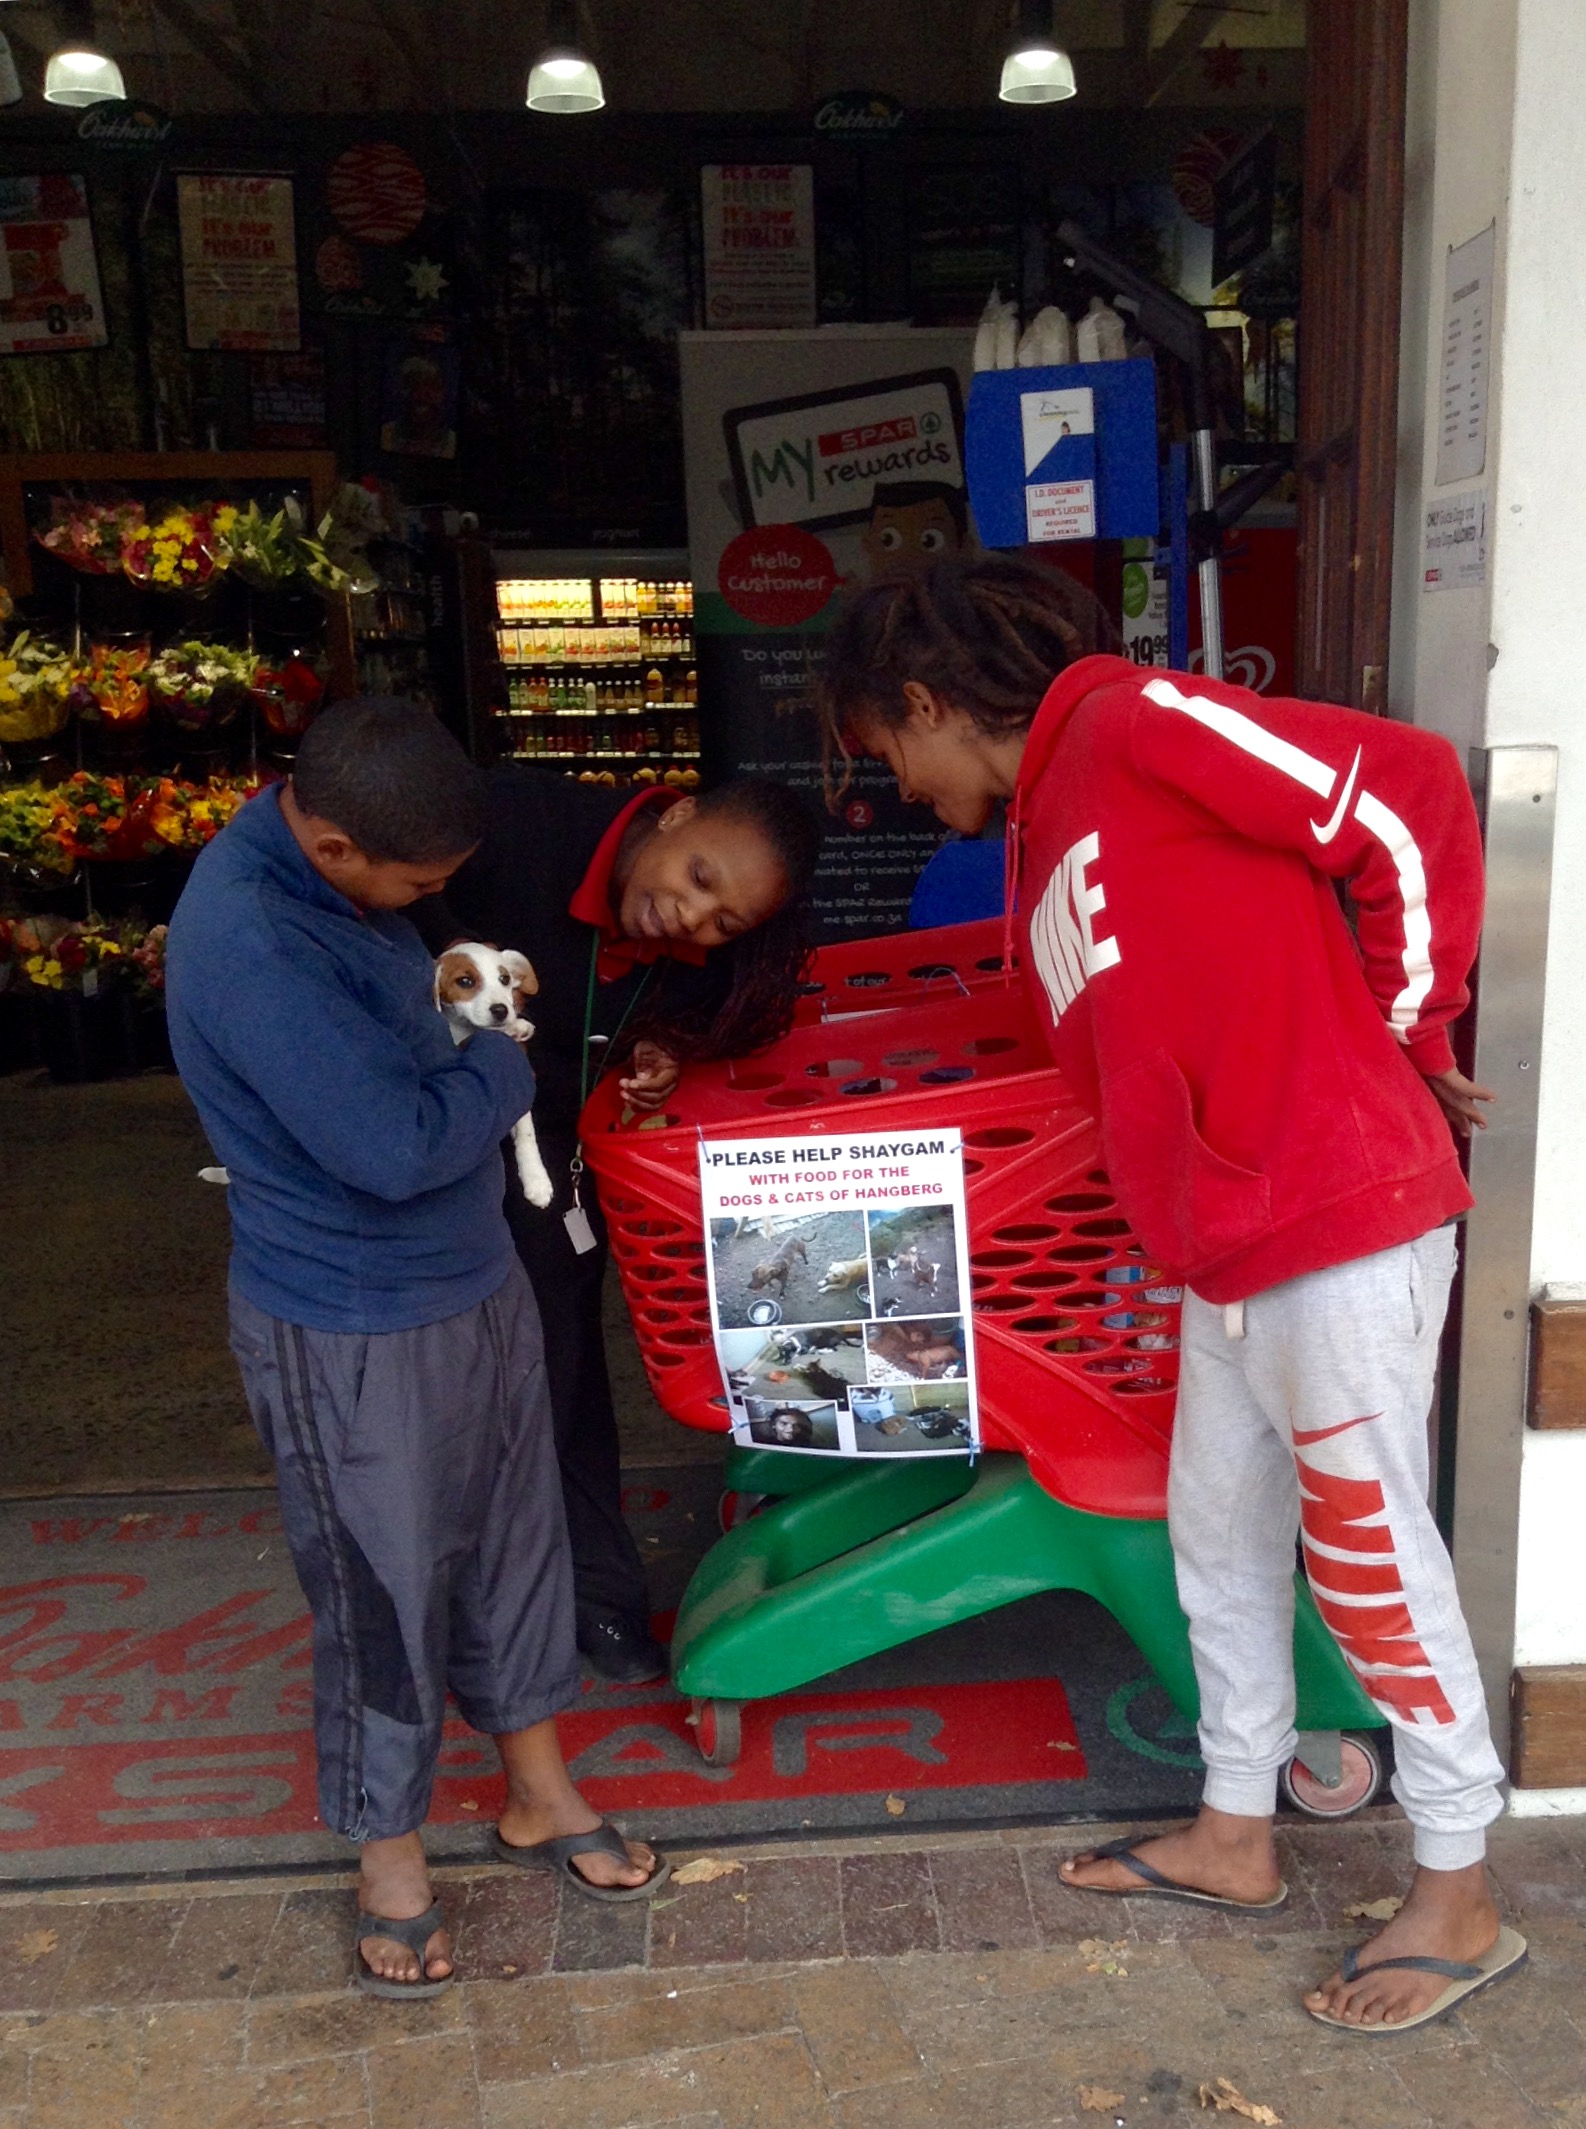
[
  {"x": 1275, "y": 1097},
  {"x": 661, "y": 928}
]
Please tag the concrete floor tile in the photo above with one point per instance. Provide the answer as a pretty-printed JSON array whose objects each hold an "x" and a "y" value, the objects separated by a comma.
[
  {"x": 91, "y": 2078},
  {"x": 282, "y": 2031},
  {"x": 660, "y": 2020},
  {"x": 504, "y": 1924},
  {"x": 13, "y": 2077},
  {"x": 889, "y": 1905},
  {"x": 1540, "y": 1869},
  {"x": 37, "y": 1945},
  {"x": 982, "y": 1899},
  {"x": 591, "y": 1933},
  {"x": 218, "y": 1947},
  {"x": 767, "y": 2083},
  {"x": 1463, "y": 2088},
  {"x": 794, "y": 1910},
  {"x": 120, "y": 1955},
  {"x": 1062, "y": 1914},
  {"x": 701, "y": 1925},
  {"x": 851, "y": 2028},
  {"x": 520, "y": 2029},
  {"x": 425, "y": 2081},
  {"x": 175, "y": 2038},
  {"x": 310, "y": 1947}
]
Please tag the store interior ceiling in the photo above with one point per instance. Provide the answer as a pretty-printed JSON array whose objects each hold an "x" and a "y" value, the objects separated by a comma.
[{"x": 262, "y": 56}]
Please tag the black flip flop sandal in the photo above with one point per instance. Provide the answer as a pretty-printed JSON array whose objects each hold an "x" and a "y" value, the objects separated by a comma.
[
  {"x": 1154, "y": 1886},
  {"x": 558, "y": 1856},
  {"x": 1464, "y": 1977},
  {"x": 415, "y": 1934}
]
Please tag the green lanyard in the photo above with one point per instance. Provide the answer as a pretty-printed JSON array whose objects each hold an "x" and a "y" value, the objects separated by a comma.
[{"x": 575, "y": 1219}]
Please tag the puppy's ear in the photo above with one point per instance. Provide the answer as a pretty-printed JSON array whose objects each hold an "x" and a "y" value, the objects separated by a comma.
[{"x": 521, "y": 970}]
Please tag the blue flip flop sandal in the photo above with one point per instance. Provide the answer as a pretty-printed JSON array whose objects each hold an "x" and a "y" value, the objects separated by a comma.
[
  {"x": 1154, "y": 1886},
  {"x": 558, "y": 1856},
  {"x": 1464, "y": 1977},
  {"x": 415, "y": 1934}
]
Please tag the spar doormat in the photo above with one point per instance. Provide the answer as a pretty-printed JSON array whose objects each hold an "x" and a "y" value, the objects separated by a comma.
[{"x": 155, "y": 1692}]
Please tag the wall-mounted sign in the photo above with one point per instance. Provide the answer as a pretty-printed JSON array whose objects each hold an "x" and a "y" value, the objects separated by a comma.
[
  {"x": 130, "y": 126},
  {"x": 239, "y": 261},
  {"x": 1467, "y": 335},
  {"x": 759, "y": 235},
  {"x": 49, "y": 275},
  {"x": 859, "y": 114}
]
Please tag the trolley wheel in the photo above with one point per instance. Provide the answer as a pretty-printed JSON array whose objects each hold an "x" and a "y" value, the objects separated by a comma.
[
  {"x": 718, "y": 1731},
  {"x": 1362, "y": 1777},
  {"x": 733, "y": 1510}
]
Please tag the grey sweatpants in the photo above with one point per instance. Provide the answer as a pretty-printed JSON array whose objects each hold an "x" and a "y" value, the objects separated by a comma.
[
  {"x": 418, "y": 1486},
  {"x": 1304, "y": 1410}
]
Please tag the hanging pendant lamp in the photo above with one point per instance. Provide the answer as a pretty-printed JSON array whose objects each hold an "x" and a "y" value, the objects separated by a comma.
[
  {"x": 564, "y": 80},
  {"x": 1037, "y": 69},
  {"x": 79, "y": 73}
]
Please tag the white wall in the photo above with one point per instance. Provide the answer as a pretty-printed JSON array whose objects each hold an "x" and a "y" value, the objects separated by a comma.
[{"x": 1496, "y": 133}]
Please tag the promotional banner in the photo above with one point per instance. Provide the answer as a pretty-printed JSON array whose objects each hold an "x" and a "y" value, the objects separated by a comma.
[
  {"x": 816, "y": 461},
  {"x": 49, "y": 276},
  {"x": 239, "y": 261},
  {"x": 839, "y": 1292}
]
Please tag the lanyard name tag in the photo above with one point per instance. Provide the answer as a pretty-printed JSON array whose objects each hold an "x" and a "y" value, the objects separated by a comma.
[{"x": 579, "y": 1231}]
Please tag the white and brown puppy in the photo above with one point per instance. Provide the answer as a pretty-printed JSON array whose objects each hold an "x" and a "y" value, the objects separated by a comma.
[{"x": 478, "y": 987}]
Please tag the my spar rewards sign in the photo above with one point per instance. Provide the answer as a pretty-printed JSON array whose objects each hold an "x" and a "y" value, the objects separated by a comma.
[
  {"x": 777, "y": 575},
  {"x": 816, "y": 460}
]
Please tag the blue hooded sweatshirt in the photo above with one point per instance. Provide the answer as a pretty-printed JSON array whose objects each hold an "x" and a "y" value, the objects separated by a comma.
[{"x": 363, "y": 1145}]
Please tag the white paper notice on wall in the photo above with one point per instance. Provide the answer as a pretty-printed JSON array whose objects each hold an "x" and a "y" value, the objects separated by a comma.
[
  {"x": 1467, "y": 330},
  {"x": 1454, "y": 542},
  {"x": 1060, "y": 510}
]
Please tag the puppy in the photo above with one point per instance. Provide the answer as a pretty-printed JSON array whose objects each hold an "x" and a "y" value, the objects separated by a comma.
[
  {"x": 776, "y": 1270},
  {"x": 842, "y": 1277},
  {"x": 477, "y": 987}
]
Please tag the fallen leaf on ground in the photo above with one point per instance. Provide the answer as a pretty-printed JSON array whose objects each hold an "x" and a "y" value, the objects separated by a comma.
[
  {"x": 1096, "y": 2099},
  {"x": 1372, "y": 1910},
  {"x": 37, "y": 1944},
  {"x": 1228, "y": 2099},
  {"x": 1060, "y": 1744},
  {"x": 742, "y": 1898},
  {"x": 468, "y": 1805},
  {"x": 704, "y": 1870},
  {"x": 509, "y": 1970},
  {"x": 896, "y": 1807}
]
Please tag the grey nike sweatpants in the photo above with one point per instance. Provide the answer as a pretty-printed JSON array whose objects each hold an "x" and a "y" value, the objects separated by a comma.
[
  {"x": 1303, "y": 1410},
  {"x": 418, "y": 1486}
]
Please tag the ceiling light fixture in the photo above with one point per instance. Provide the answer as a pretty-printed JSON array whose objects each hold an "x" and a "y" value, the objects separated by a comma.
[
  {"x": 79, "y": 73},
  {"x": 564, "y": 80},
  {"x": 1037, "y": 69}
]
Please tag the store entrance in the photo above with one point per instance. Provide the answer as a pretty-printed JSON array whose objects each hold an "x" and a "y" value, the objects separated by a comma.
[{"x": 154, "y": 1676}]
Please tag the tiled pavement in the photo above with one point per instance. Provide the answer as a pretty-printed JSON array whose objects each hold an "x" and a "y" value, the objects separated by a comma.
[{"x": 880, "y": 1984}]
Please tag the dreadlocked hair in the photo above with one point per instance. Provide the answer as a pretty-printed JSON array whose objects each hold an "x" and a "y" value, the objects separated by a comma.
[
  {"x": 756, "y": 982},
  {"x": 984, "y": 633}
]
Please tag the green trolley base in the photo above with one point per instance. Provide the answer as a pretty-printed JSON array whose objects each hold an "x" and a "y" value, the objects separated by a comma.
[{"x": 843, "y": 1567}]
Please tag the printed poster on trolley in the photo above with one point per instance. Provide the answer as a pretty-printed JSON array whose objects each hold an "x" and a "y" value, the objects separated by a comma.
[
  {"x": 239, "y": 261},
  {"x": 49, "y": 275},
  {"x": 839, "y": 1291},
  {"x": 816, "y": 461}
]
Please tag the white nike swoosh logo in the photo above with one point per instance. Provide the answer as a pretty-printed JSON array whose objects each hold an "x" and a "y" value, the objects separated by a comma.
[{"x": 1325, "y": 835}]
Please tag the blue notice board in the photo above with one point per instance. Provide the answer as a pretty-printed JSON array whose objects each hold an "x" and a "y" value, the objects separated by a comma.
[{"x": 1068, "y": 453}]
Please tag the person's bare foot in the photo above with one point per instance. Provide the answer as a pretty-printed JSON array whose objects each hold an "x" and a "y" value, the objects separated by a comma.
[
  {"x": 394, "y": 1886},
  {"x": 525, "y": 1825},
  {"x": 1233, "y": 1858},
  {"x": 1450, "y": 1914}
]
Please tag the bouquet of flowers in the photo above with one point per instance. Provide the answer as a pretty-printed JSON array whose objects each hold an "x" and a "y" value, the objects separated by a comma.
[
  {"x": 187, "y": 816},
  {"x": 201, "y": 685},
  {"x": 55, "y": 954},
  {"x": 269, "y": 551},
  {"x": 182, "y": 550},
  {"x": 35, "y": 683},
  {"x": 33, "y": 828},
  {"x": 92, "y": 537},
  {"x": 147, "y": 956},
  {"x": 112, "y": 686},
  {"x": 110, "y": 818}
]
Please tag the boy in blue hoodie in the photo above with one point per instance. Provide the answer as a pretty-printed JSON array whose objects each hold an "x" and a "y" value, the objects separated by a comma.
[{"x": 387, "y": 1335}]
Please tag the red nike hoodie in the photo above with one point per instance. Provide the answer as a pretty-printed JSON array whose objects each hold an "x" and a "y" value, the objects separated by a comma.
[{"x": 1258, "y": 1075}]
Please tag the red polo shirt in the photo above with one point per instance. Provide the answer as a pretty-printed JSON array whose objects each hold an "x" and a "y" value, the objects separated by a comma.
[{"x": 591, "y": 904}]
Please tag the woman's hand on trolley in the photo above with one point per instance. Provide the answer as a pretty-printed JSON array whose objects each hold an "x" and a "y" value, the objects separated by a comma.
[{"x": 651, "y": 1077}]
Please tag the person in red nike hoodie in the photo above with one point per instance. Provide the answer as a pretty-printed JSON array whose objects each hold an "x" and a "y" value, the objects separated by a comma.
[{"x": 1275, "y": 1094}]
